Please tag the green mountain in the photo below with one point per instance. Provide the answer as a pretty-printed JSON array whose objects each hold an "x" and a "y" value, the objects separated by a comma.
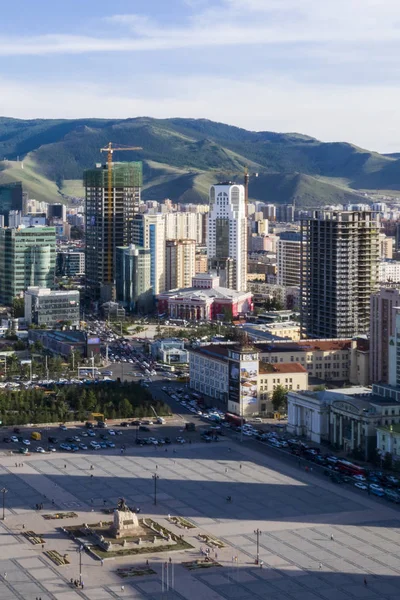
[{"x": 182, "y": 157}]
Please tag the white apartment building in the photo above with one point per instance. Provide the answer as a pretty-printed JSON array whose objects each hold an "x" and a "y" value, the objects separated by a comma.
[
  {"x": 148, "y": 231},
  {"x": 389, "y": 271},
  {"x": 288, "y": 259},
  {"x": 185, "y": 225},
  {"x": 227, "y": 235}
]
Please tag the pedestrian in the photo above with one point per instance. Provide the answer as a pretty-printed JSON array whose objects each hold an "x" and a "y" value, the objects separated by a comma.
[
  {"x": 91, "y": 500},
  {"x": 5, "y": 575},
  {"x": 365, "y": 581},
  {"x": 52, "y": 502},
  {"x": 215, "y": 555},
  {"x": 23, "y": 526},
  {"x": 261, "y": 564},
  {"x": 91, "y": 467},
  {"x": 122, "y": 588},
  {"x": 65, "y": 466},
  {"x": 102, "y": 562},
  {"x": 42, "y": 546},
  {"x": 156, "y": 466},
  {"x": 72, "y": 581},
  {"x": 240, "y": 466},
  {"x": 332, "y": 537},
  {"x": 147, "y": 562},
  {"x": 91, "y": 475},
  {"x": 226, "y": 470},
  {"x": 320, "y": 566},
  {"x": 16, "y": 464},
  {"x": 82, "y": 585}
]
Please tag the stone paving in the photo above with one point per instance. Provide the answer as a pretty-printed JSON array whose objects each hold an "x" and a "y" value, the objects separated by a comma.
[{"x": 298, "y": 514}]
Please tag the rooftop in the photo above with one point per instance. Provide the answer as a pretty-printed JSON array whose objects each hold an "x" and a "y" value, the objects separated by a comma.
[
  {"x": 292, "y": 367},
  {"x": 304, "y": 346},
  {"x": 204, "y": 294}
]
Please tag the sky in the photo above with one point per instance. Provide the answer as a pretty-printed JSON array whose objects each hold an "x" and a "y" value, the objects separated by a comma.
[{"x": 325, "y": 68}]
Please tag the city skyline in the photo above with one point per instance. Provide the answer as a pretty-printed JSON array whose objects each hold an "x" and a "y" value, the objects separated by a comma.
[{"x": 328, "y": 71}]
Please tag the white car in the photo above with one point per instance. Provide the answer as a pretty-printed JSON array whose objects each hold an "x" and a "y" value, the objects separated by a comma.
[
  {"x": 359, "y": 478},
  {"x": 361, "y": 486},
  {"x": 40, "y": 449},
  {"x": 14, "y": 438},
  {"x": 26, "y": 442},
  {"x": 376, "y": 487},
  {"x": 111, "y": 432}
]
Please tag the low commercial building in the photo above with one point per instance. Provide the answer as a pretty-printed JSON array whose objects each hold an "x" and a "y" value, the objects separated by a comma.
[
  {"x": 170, "y": 351},
  {"x": 328, "y": 360},
  {"x": 291, "y": 376},
  {"x": 70, "y": 263},
  {"x": 64, "y": 343},
  {"x": 49, "y": 308},
  {"x": 236, "y": 377},
  {"x": 204, "y": 301},
  {"x": 289, "y": 331}
]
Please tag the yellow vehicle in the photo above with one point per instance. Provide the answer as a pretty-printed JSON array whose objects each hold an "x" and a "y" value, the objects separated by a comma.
[{"x": 35, "y": 435}]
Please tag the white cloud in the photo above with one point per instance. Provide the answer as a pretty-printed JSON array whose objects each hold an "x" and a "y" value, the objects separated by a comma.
[
  {"x": 330, "y": 113},
  {"x": 235, "y": 22}
]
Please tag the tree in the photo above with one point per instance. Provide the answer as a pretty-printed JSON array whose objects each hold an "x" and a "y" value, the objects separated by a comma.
[
  {"x": 387, "y": 461},
  {"x": 279, "y": 398},
  {"x": 18, "y": 307}
]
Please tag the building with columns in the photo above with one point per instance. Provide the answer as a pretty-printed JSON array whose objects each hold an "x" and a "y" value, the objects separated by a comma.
[
  {"x": 308, "y": 415},
  {"x": 204, "y": 301}
]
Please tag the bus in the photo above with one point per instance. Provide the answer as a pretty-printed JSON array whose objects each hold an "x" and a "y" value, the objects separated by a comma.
[
  {"x": 348, "y": 468},
  {"x": 235, "y": 419}
]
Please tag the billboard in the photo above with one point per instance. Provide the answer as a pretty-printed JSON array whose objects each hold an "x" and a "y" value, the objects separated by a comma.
[
  {"x": 248, "y": 383},
  {"x": 234, "y": 382}
]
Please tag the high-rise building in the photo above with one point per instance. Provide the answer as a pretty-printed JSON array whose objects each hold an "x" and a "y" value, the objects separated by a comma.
[
  {"x": 227, "y": 235},
  {"x": 108, "y": 222},
  {"x": 133, "y": 278},
  {"x": 382, "y": 328},
  {"x": 288, "y": 259},
  {"x": 180, "y": 263},
  {"x": 27, "y": 258},
  {"x": 148, "y": 231},
  {"x": 338, "y": 272},
  {"x": 10, "y": 198},
  {"x": 285, "y": 213}
]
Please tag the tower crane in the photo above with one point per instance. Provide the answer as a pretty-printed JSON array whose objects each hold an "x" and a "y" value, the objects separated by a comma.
[{"x": 110, "y": 149}]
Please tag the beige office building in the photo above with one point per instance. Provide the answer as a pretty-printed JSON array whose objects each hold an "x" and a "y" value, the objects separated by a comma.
[{"x": 180, "y": 263}]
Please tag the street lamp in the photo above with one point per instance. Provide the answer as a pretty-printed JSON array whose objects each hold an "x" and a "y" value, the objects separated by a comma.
[
  {"x": 80, "y": 549},
  {"x": 4, "y": 492},
  {"x": 155, "y": 477},
  {"x": 258, "y": 533}
]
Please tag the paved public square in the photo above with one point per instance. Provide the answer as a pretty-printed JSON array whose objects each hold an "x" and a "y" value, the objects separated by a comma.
[{"x": 296, "y": 512}]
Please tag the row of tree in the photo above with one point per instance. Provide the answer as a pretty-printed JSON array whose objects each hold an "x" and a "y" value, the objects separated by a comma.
[{"x": 75, "y": 403}]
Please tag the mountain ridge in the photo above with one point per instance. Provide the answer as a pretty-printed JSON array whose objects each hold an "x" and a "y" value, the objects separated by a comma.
[{"x": 182, "y": 157}]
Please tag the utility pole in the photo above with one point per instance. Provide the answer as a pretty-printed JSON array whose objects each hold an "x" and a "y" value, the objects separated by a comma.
[
  {"x": 155, "y": 477},
  {"x": 4, "y": 492},
  {"x": 258, "y": 533},
  {"x": 80, "y": 564}
]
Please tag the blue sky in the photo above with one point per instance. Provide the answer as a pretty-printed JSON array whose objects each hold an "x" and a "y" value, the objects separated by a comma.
[{"x": 327, "y": 68}]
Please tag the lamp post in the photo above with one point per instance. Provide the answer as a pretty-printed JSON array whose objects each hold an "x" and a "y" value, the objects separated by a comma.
[
  {"x": 258, "y": 533},
  {"x": 4, "y": 492},
  {"x": 155, "y": 477},
  {"x": 80, "y": 549}
]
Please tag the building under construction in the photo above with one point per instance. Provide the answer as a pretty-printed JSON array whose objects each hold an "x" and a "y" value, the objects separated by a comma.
[
  {"x": 339, "y": 272},
  {"x": 112, "y": 198}
]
